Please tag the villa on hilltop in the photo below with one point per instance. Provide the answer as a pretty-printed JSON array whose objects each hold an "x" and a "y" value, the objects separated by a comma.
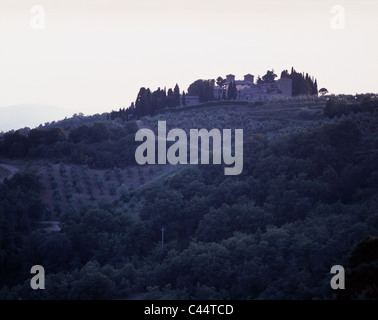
[{"x": 247, "y": 89}]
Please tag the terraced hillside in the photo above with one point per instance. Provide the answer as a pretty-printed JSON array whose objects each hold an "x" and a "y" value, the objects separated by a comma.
[
  {"x": 250, "y": 117},
  {"x": 66, "y": 187}
]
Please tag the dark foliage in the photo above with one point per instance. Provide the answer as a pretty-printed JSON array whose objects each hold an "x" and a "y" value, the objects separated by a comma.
[
  {"x": 336, "y": 107},
  {"x": 302, "y": 84},
  {"x": 100, "y": 145},
  {"x": 300, "y": 206},
  {"x": 204, "y": 89}
]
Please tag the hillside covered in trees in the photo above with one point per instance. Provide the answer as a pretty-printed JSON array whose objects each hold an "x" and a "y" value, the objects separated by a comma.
[{"x": 306, "y": 200}]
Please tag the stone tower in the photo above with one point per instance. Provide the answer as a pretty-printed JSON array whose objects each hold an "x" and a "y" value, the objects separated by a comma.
[
  {"x": 230, "y": 78},
  {"x": 249, "y": 77}
]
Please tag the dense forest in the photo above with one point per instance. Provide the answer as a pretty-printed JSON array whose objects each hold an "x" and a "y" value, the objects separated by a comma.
[
  {"x": 78, "y": 144},
  {"x": 306, "y": 200}
]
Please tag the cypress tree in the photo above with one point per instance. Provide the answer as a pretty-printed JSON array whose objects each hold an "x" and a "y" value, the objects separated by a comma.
[
  {"x": 230, "y": 91},
  {"x": 176, "y": 93}
]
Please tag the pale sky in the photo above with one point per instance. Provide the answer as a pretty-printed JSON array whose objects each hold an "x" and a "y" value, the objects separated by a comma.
[{"x": 94, "y": 55}]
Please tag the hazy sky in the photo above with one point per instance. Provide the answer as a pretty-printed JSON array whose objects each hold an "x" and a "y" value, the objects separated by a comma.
[{"x": 94, "y": 55}]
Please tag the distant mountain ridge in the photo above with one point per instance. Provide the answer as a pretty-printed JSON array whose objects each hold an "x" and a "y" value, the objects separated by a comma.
[{"x": 30, "y": 115}]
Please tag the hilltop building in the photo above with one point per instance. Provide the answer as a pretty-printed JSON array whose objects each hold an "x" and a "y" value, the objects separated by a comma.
[
  {"x": 248, "y": 90},
  {"x": 189, "y": 100}
]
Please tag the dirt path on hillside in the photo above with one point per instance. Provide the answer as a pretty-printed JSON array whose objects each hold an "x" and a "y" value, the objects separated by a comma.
[
  {"x": 12, "y": 171},
  {"x": 52, "y": 226}
]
